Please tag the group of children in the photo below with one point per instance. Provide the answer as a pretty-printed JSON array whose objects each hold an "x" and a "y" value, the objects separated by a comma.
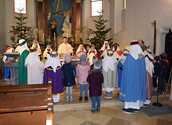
[
  {"x": 66, "y": 75},
  {"x": 96, "y": 71}
]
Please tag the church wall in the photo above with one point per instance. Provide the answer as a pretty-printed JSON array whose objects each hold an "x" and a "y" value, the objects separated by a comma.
[
  {"x": 88, "y": 20},
  {"x": 2, "y": 22},
  {"x": 116, "y": 18},
  {"x": 139, "y": 17},
  {"x": 10, "y": 19}
]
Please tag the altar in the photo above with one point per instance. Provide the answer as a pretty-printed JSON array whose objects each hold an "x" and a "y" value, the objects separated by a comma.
[
  {"x": 75, "y": 60},
  {"x": 11, "y": 62}
]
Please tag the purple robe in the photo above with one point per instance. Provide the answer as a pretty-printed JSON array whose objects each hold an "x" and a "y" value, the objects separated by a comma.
[
  {"x": 95, "y": 80},
  {"x": 56, "y": 79}
]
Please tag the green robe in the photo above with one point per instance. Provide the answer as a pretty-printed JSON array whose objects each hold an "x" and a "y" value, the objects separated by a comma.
[{"x": 23, "y": 68}]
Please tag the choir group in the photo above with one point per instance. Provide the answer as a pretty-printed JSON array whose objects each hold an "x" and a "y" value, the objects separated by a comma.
[{"x": 134, "y": 72}]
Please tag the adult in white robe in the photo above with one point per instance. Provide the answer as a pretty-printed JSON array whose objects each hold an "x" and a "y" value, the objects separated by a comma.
[
  {"x": 65, "y": 48},
  {"x": 35, "y": 44},
  {"x": 35, "y": 68}
]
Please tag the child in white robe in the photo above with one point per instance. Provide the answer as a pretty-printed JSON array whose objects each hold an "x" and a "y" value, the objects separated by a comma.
[
  {"x": 104, "y": 48},
  {"x": 81, "y": 50},
  {"x": 109, "y": 64},
  {"x": 53, "y": 75},
  {"x": 91, "y": 54},
  {"x": 47, "y": 51}
]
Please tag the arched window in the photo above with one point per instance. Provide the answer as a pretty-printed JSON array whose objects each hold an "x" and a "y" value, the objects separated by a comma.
[
  {"x": 96, "y": 7},
  {"x": 20, "y": 6}
]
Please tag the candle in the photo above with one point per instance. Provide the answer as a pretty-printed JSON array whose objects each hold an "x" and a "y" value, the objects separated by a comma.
[{"x": 43, "y": 37}]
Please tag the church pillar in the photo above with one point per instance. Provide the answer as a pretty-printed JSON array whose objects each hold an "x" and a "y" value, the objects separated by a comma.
[
  {"x": 116, "y": 12},
  {"x": 85, "y": 16},
  {"x": 76, "y": 20},
  {"x": 42, "y": 19},
  {"x": 2, "y": 22}
]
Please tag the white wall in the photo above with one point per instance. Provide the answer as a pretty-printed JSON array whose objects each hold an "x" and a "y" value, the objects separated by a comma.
[
  {"x": 140, "y": 15},
  {"x": 9, "y": 19}
]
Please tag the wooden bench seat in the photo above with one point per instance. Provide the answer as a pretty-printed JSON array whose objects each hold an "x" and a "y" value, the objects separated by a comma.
[{"x": 26, "y": 105}]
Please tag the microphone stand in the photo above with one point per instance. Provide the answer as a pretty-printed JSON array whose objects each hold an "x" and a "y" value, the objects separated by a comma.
[{"x": 157, "y": 103}]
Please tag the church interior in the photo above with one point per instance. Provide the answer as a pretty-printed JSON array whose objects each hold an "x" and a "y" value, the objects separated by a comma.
[{"x": 85, "y": 62}]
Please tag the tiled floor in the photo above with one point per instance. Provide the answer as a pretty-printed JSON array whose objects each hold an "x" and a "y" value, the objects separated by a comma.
[{"x": 109, "y": 116}]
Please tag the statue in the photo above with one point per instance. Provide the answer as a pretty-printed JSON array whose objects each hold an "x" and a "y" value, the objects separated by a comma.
[
  {"x": 59, "y": 4},
  {"x": 67, "y": 25},
  {"x": 53, "y": 25}
]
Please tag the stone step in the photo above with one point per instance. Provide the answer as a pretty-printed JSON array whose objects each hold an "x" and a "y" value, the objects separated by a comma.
[{"x": 81, "y": 106}]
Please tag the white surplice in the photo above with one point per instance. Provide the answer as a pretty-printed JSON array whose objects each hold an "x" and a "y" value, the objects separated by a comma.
[{"x": 35, "y": 68}]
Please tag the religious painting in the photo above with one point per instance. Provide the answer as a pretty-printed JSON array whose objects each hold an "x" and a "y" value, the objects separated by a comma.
[{"x": 59, "y": 20}]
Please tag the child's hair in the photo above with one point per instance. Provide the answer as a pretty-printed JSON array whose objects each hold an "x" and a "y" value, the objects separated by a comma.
[
  {"x": 97, "y": 64},
  {"x": 67, "y": 58},
  {"x": 94, "y": 59},
  {"x": 83, "y": 58}
]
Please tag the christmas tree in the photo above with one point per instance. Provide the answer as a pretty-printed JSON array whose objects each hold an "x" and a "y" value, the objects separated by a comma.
[
  {"x": 20, "y": 30},
  {"x": 100, "y": 34}
]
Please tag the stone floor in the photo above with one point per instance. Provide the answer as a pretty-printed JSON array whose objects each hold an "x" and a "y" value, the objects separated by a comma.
[{"x": 111, "y": 114}]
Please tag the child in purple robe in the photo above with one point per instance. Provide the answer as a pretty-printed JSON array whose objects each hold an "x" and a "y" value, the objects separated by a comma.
[
  {"x": 53, "y": 74},
  {"x": 95, "y": 80}
]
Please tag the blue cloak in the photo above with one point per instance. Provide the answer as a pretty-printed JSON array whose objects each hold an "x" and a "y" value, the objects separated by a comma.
[{"x": 133, "y": 81}]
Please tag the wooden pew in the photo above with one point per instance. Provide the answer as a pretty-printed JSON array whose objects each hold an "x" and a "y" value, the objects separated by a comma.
[{"x": 26, "y": 105}]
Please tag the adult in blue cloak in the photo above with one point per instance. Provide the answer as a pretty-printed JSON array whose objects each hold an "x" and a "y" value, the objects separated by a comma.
[{"x": 133, "y": 82}]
